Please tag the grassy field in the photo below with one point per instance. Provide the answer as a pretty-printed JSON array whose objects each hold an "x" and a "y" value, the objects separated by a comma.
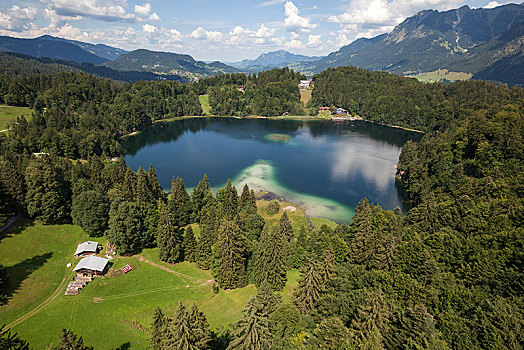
[
  {"x": 204, "y": 103},
  {"x": 9, "y": 114},
  {"x": 305, "y": 96},
  {"x": 114, "y": 311},
  {"x": 441, "y": 74}
]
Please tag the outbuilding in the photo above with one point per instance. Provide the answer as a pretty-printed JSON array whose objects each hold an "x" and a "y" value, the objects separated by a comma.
[
  {"x": 86, "y": 248},
  {"x": 91, "y": 266}
]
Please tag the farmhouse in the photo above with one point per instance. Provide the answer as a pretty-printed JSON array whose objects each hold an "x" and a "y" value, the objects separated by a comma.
[
  {"x": 304, "y": 84},
  {"x": 86, "y": 248},
  {"x": 91, "y": 266}
]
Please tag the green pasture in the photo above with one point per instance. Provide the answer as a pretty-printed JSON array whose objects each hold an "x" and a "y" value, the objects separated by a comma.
[
  {"x": 9, "y": 114},
  {"x": 113, "y": 311}
]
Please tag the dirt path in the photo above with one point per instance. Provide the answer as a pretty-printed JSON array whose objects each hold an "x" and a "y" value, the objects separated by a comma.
[
  {"x": 43, "y": 304},
  {"x": 181, "y": 275}
]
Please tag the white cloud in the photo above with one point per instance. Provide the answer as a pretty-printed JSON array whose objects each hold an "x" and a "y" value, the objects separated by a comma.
[
  {"x": 314, "y": 41},
  {"x": 55, "y": 19},
  {"x": 144, "y": 9},
  {"x": 18, "y": 18},
  {"x": 202, "y": 34},
  {"x": 492, "y": 4},
  {"x": 390, "y": 13},
  {"x": 295, "y": 44},
  {"x": 69, "y": 32},
  {"x": 154, "y": 17},
  {"x": 294, "y": 22},
  {"x": 148, "y": 28},
  {"x": 105, "y": 10}
]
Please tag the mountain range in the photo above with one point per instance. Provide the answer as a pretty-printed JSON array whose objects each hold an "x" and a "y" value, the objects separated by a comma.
[
  {"x": 475, "y": 41},
  {"x": 488, "y": 43},
  {"x": 275, "y": 59}
]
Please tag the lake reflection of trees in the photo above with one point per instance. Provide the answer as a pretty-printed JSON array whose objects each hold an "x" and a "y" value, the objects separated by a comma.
[{"x": 256, "y": 129}]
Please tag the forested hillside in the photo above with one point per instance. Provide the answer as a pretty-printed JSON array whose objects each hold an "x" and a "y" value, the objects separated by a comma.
[
  {"x": 447, "y": 275},
  {"x": 387, "y": 98}
]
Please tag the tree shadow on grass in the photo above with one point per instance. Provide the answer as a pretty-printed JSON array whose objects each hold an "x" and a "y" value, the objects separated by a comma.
[
  {"x": 124, "y": 346},
  {"x": 20, "y": 271},
  {"x": 16, "y": 228}
]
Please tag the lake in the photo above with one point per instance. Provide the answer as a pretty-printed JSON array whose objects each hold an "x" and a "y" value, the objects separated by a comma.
[{"x": 323, "y": 166}]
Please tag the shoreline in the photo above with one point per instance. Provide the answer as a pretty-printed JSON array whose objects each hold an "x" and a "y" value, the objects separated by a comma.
[{"x": 296, "y": 118}]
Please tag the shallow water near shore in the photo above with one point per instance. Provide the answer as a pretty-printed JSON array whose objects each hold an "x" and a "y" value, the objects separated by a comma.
[{"x": 325, "y": 167}]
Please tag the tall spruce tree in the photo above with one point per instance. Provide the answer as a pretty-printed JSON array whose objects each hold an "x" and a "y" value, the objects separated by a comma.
[
  {"x": 310, "y": 287},
  {"x": 159, "y": 329},
  {"x": 170, "y": 241},
  {"x": 230, "y": 201},
  {"x": 181, "y": 334},
  {"x": 270, "y": 263},
  {"x": 329, "y": 265},
  {"x": 208, "y": 235},
  {"x": 201, "y": 197},
  {"x": 70, "y": 341},
  {"x": 252, "y": 331},
  {"x": 143, "y": 191},
  {"x": 180, "y": 202},
  {"x": 286, "y": 232},
  {"x": 190, "y": 245},
  {"x": 202, "y": 335},
  {"x": 129, "y": 186},
  {"x": 230, "y": 259},
  {"x": 370, "y": 327},
  {"x": 156, "y": 189},
  {"x": 248, "y": 203}
]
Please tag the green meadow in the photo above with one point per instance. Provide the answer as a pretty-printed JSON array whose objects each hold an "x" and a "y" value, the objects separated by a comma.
[
  {"x": 8, "y": 114},
  {"x": 113, "y": 311}
]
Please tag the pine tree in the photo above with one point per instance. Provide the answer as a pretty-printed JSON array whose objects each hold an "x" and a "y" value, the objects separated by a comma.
[
  {"x": 180, "y": 202},
  {"x": 129, "y": 185},
  {"x": 286, "y": 232},
  {"x": 267, "y": 298},
  {"x": 252, "y": 331},
  {"x": 329, "y": 270},
  {"x": 96, "y": 170},
  {"x": 143, "y": 191},
  {"x": 230, "y": 201},
  {"x": 331, "y": 334},
  {"x": 202, "y": 336},
  {"x": 190, "y": 245},
  {"x": 310, "y": 287},
  {"x": 70, "y": 341},
  {"x": 156, "y": 189},
  {"x": 201, "y": 197},
  {"x": 159, "y": 329},
  {"x": 170, "y": 241},
  {"x": 248, "y": 204},
  {"x": 208, "y": 235},
  {"x": 270, "y": 262},
  {"x": 371, "y": 325},
  {"x": 181, "y": 334},
  {"x": 11, "y": 341},
  {"x": 230, "y": 257}
]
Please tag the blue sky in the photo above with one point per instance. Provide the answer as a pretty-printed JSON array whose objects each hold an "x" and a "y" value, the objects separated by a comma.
[{"x": 226, "y": 30}]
